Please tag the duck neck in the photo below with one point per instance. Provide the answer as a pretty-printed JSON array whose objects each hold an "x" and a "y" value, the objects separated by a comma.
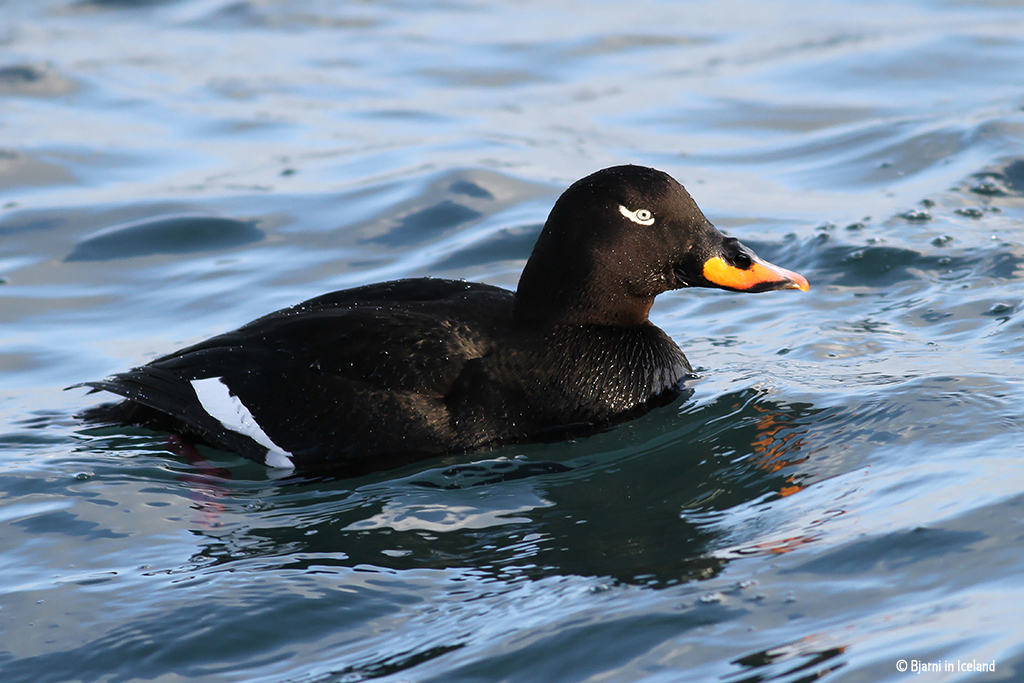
[
  {"x": 555, "y": 303},
  {"x": 559, "y": 284}
]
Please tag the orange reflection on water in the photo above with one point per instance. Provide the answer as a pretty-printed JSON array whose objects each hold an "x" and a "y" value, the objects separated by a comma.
[{"x": 778, "y": 436}]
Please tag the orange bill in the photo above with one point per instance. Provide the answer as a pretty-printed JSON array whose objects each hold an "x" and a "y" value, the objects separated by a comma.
[{"x": 761, "y": 276}]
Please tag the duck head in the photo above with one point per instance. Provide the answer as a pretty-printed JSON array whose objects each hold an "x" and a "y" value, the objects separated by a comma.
[{"x": 619, "y": 237}]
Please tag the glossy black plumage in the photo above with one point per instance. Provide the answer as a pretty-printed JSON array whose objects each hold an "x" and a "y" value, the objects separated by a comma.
[{"x": 400, "y": 370}]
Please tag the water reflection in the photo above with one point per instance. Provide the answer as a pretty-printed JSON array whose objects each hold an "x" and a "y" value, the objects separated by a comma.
[
  {"x": 810, "y": 658},
  {"x": 640, "y": 504}
]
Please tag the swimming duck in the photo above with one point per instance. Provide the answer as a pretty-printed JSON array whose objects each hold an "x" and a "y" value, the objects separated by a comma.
[{"x": 386, "y": 373}]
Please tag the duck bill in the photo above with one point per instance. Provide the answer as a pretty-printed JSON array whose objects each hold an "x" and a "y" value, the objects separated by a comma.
[{"x": 761, "y": 276}]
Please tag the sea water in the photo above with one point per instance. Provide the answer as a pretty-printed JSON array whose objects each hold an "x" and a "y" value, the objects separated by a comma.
[{"x": 839, "y": 495}]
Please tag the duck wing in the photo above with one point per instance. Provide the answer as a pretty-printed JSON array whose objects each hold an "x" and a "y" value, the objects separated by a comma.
[{"x": 347, "y": 373}]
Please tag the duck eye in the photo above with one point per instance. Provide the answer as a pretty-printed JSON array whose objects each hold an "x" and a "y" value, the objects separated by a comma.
[
  {"x": 640, "y": 216},
  {"x": 742, "y": 261}
]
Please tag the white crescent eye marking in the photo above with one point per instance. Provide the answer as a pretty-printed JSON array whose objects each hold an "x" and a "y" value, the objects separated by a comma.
[{"x": 640, "y": 216}]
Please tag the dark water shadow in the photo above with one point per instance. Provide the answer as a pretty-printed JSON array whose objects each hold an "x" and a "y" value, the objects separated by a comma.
[
  {"x": 645, "y": 504},
  {"x": 802, "y": 661},
  {"x": 1005, "y": 179},
  {"x": 34, "y": 80},
  {"x": 423, "y": 224},
  {"x": 180, "y": 234}
]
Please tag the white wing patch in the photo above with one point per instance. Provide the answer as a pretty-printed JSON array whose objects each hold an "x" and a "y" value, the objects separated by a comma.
[
  {"x": 227, "y": 409},
  {"x": 640, "y": 216}
]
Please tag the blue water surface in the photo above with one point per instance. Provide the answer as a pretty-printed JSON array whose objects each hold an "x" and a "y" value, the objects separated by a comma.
[{"x": 841, "y": 496}]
